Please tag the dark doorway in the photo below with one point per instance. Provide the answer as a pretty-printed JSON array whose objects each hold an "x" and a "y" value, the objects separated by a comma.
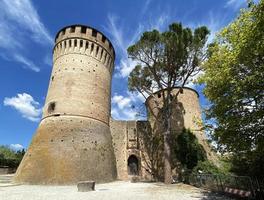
[{"x": 132, "y": 164}]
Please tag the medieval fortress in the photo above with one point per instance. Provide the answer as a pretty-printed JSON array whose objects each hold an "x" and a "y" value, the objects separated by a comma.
[{"x": 77, "y": 139}]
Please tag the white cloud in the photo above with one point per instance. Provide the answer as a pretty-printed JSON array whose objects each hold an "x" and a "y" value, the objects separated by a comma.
[
  {"x": 123, "y": 114},
  {"x": 125, "y": 65},
  {"x": 26, "y": 62},
  {"x": 128, "y": 106},
  {"x": 114, "y": 113},
  {"x": 235, "y": 4},
  {"x": 20, "y": 24},
  {"x": 23, "y": 13},
  {"x": 48, "y": 59},
  {"x": 121, "y": 101},
  {"x": 16, "y": 147},
  {"x": 145, "y": 7},
  {"x": 121, "y": 40},
  {"x": 7, "y": 37},
  {"x": 161, "y": 22},
  {"x": 214, "y": 23},
  {"x": 25, "y": 105},
  {"x": 116, "y": 33}
]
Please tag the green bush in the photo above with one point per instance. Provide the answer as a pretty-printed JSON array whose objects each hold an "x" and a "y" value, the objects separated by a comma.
[
  {"x": 192, "y": 156},
  {"x": 9, "y": 157},
  {"x": 187, "y": 149},
  {"x": 206, "y": 167}
]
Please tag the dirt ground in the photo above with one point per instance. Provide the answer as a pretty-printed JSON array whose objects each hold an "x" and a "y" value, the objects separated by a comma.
[{"x": 110, "y": 191}]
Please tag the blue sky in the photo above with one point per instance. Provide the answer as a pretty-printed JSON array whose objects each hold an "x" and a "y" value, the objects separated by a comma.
[{"x": 27, "y": 30}]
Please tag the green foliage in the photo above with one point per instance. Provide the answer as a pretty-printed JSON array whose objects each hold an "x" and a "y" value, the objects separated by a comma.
[
  {"x": 188, "y": 150},
  {"x": 206, "y": 167},
  {"x": 250, "y": 163},
  {"x": 9, "y": 157},
  {"x": 234, "y": 74},
  {"x": 166, "y": 59},
  {"x": 192, "y": 156},
  {"x": 225, "y": 165}
]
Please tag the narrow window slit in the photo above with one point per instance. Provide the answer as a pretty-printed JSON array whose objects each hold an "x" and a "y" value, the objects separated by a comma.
[
  {"x": 101, "y": 54},
  {"x": 97, "y": 49},
  {"x": 92, "y": 48},
  {"x": 105, "y": 58}
]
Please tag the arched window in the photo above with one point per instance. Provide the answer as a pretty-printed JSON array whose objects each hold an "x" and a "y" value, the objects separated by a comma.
[{"x": 51, "y": 107}]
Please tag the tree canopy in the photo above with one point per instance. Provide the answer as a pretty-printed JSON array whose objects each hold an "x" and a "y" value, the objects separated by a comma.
[
  {"x": 234, "y": 83},
  {"x": 166, "y": 59},
  {"x": 10, "y": 158}
]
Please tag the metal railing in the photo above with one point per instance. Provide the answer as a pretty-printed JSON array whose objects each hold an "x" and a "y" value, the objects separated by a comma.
[{"x": 241, "y": 186}]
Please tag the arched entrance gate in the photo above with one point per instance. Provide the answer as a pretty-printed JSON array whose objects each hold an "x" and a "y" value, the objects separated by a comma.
[{"x": 133, "y": 165}]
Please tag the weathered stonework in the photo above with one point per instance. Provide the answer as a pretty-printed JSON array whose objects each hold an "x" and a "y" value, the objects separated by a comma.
[
  {"x": 186, "y": 113},
  {"x": 76, "y": 139},
  {"x": 73, "y": 142},
  {"x": 129, "y": 137}
]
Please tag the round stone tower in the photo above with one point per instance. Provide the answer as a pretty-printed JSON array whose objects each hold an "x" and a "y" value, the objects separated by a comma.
[
  {"x": 186, "y": 113},
  {"x": 186, "y": 110},
  {"x": 73, "y": 141}
]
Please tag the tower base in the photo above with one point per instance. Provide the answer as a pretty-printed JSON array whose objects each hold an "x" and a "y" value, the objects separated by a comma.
[{"x": 66, "y": 150}]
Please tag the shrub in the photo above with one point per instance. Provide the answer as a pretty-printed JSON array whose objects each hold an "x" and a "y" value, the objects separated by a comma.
[{"x": 9, "y": 157}]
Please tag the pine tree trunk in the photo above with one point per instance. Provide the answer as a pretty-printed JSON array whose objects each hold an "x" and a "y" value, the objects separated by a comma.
[
  {"x": 167, "y": 149},
  {"x": 167, "y": 160}
]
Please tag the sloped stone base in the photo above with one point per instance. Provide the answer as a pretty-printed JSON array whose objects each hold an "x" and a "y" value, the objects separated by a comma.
[{"x": 66, "y": 150}]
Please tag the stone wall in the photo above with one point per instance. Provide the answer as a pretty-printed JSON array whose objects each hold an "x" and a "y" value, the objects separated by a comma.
[
  {"x": 133, "y": 137},
  {"x": 119, "y": 140},
  {"x": 129, "y": 139}
]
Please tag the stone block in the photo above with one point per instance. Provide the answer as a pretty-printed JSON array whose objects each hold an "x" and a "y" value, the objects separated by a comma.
[
  {"x": 86, "y": 186},
  {"x": 135, "y": 179}
]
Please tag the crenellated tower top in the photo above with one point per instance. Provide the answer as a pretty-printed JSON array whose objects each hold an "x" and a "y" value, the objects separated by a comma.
[{"x": 84, "y": 40}]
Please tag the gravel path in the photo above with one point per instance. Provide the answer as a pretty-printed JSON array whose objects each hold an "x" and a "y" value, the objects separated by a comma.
[{"x": 110, "y": 191}]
